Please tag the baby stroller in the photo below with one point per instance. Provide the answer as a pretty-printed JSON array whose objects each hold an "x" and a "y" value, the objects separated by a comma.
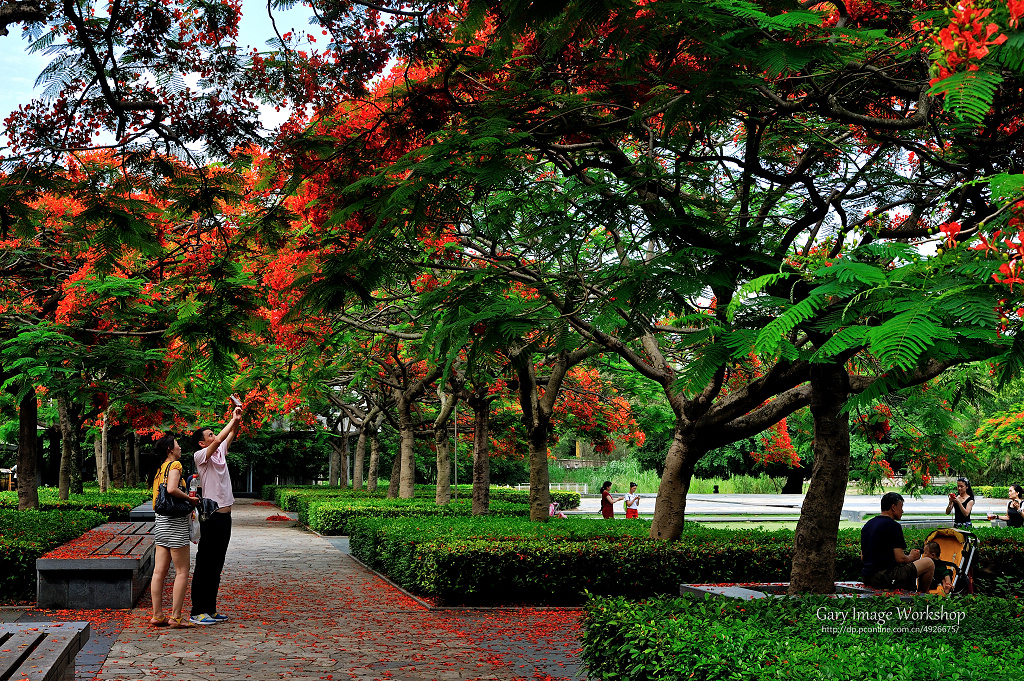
[
  {"x": 958, "y": 548},
  {"x": 553, "y": 511}
]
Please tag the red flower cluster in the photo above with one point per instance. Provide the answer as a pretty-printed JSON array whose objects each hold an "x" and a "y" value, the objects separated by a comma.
[{"x": 966, "y": 39}]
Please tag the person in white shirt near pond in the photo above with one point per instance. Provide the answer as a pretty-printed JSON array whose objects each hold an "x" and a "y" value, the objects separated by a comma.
[{"x": 632, "y": 502}]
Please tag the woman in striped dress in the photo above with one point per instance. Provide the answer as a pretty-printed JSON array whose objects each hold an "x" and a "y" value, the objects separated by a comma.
[{"x": 171, "y": 538}]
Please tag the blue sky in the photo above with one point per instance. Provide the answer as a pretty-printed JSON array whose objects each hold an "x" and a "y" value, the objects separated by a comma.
[{"x": 21, "y": 69}]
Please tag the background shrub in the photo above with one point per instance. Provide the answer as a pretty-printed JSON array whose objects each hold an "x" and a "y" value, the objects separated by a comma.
[
  {"x": 513, "y": 561},
  {"x": 773, "y": 638},
  {"x": 27, "y": 535},
  {"x": 115, "y": 504},
  {"x": 300, "y": 498},
  {"x": 336, "y": 516}
]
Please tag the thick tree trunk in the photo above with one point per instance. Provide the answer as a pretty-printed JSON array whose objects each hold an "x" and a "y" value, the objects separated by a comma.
[
  {"x": 68, "y": 449},
  {"x": 371, "y": 477},
  {"x": 407, "y": 450},
  {"x": 116, "y": 449},
  {"x": 52, "y": 463},
  {"x": 97, "y": 450},
  {"x": 78, "y": 462},
  {"x": 481, "y": 457},
  {"x": 344, "y": 459},
  {"x": 670, "y": 506},
  {"x": 443, "y": 491},
  {"x": 396, "y": 474},
  {"x": 540, "y": 479},
  {"x": 334, "y": 465},
  {"x": 360, "y": 458},
  {"x": 131, "y": 459},
  {"x": 817, "y": 532},
  {"x": 28, "y": 443},
  {"x": 442, "y": 448},
  {"x": 102, "y": 476}
]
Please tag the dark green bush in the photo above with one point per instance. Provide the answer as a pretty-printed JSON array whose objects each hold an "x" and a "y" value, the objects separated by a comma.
[
  {"x": 115, "y": 504},
  {"x": 499, "y": 560},
  {"x": 282, "y": 495},
  {"x": 336, "y": 516},
  {"x": 991, "y": 491},
  {"x": 297, "y": 498},
  {"x": 783, "y": 638},
  {"x": 937, "y": 490},
  {"x": 26, "y": 535}
]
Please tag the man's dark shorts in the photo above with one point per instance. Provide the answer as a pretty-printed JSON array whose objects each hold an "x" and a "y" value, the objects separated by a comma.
[{"x": 903, "y": 576}]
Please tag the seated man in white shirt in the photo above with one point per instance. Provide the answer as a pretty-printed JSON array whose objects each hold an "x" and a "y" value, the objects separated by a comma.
[{"x": 211, "y": 460}]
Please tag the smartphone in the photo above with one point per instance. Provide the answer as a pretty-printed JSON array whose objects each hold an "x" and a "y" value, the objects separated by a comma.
[{"x": 235, "y": 401}]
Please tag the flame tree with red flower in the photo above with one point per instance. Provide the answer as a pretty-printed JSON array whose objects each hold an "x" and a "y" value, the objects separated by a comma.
[{"x": 781, "y": 172}]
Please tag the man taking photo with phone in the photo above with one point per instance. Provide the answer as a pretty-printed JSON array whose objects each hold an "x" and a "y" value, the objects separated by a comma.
[{"x": 211, "y": 459}]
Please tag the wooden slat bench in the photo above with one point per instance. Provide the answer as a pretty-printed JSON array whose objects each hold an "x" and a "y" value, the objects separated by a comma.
[
  {"x": 41, "y": 651},
  {"x": 107, "y": 567}
]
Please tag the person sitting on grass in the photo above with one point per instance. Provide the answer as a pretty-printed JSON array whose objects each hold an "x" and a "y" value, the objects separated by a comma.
[
  {"x": 943, "y": 575},
  {"x": 886, "y": 563},
  {"x": 607, "y": 503}
]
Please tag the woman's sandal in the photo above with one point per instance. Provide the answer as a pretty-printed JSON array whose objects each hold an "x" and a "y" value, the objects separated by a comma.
[
  {"x": 182, "y": 622},
  {"x": 159, "y": 621}
]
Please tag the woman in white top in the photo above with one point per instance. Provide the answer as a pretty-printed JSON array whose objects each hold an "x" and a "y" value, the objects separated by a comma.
[{"x": 632, "y": 502}]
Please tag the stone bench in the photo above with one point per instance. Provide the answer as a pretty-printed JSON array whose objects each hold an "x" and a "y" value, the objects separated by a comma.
[
  {"x": 41, "y": 651},
  {"x": 107, "y": 567},
  {"x": 142, "y": 513}
]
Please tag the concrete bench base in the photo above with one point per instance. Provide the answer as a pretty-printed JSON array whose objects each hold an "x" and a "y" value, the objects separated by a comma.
[
  {"x": 107, "y": 567},
  {"x": 753, "y": 590},
  {"x": 41, "y": 651}
]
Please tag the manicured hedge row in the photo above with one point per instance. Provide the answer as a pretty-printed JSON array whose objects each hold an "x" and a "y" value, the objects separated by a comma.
[
  {"x": 299, "y": 498},
  {"x": 992, "y": 491},
  {"x": 987, "y": 491},
  {"x": 283, "y": 495},
  {"x": 782, "y": 638},
  {"x": 504, "y": 561},
  {"x": 26, "y": 535},
  {"x": 114, "y": 504},
  {"x": 337, "y": 517}
]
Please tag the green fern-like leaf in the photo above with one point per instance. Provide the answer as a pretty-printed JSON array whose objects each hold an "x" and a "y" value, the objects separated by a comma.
[
  {"x": 847, "y": 270},
  {"x": 969, "y": 94},
  {"x": 698, "y": 373},
  {"x": 753, "y": 287},
  {"x": 1006, "y": 187},
  {"x": 846, "y": 339},
  {"x": 1011, "y": 363},
  {"x": 900, "y": 341}
]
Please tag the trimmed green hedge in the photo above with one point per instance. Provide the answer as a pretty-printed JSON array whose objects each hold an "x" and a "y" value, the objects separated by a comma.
[
  {"x": 27, "y": 535},
  {"x": 992, "y": 491},
  {"x": 511, "y": 561},
  {"x": 288, "y": 496},
  {"x": 301, "y": 498},
  {"x": 987, "y": 491},
  {"x": 337, "y": 517},
  {"x": 115, "y": 504},
  {"x": 782, "y": 638}
]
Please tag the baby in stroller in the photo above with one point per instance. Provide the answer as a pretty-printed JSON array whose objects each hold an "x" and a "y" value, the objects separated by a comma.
[
  {"x": 953, "y": 551},
  {"x": 944, "y": 572}
]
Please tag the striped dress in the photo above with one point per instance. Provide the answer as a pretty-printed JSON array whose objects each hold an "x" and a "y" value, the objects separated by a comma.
[{"x": 171, "y": 533}]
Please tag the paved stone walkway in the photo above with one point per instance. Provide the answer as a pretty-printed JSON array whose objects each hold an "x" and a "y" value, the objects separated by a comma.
[{"x": 302, "y": 610}]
